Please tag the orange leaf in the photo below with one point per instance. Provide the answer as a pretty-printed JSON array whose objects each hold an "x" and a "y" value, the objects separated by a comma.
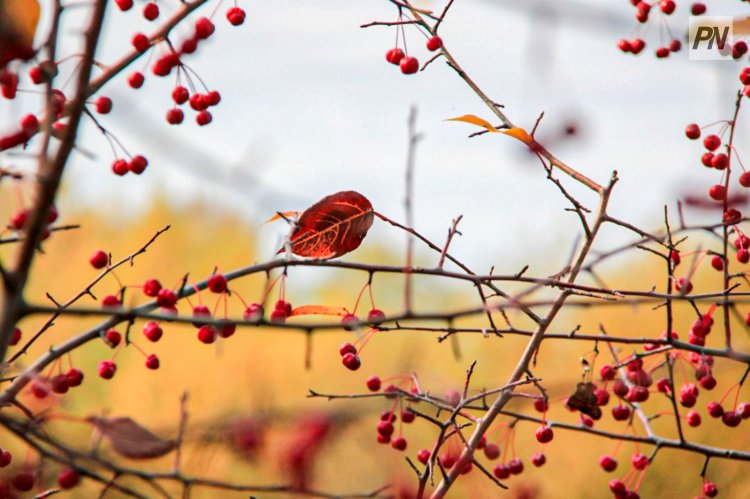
[
  {"x": 17, "y": 29},
  {"x": 280, "y": 215},
  {"x": 520, "y": 134},
  {"x": 475, "y": 120},
  {"x": 333, "y": 226},
  {"x": 319, "y": 310},
  {"x": 131, "y": 440}
]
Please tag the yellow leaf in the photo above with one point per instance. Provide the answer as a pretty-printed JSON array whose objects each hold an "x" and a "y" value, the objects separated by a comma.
[
  {"x": 520, "y": 134},
  {"x": 474, "y": 120},
  {"x": 319, "y": 310},
  {"x": 280, "y": 215}
]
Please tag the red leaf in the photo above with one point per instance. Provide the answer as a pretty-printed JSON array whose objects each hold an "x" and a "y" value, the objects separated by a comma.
[
  {"x": 333, "y": 226},
  {"x": 131, "y": 440}
]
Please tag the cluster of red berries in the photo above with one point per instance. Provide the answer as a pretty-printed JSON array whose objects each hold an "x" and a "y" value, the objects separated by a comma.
[
  {"x": 59, "y": 383},
  {"x": 136, "y": 164},
  {"x": 349, "y": 356},
  {"x": 386, "y": 429},
  {"x": 198, "y": 102},
  {"x": 408, "y": 64},
  {"x": 20, "y": 218}
]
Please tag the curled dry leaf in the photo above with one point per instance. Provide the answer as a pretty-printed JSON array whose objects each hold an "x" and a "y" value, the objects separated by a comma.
[
  {"x": 131, "y": 440},
  {"x": 515, "y": 132},
  {"x": 333, "y": 226}
]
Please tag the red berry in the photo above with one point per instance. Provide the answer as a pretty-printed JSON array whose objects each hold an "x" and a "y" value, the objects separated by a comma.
[
  {"x": 278, "y": 316},
  {"x": 152, "y": 331},
  {"x": 743, "y": 256},
  {"x": 68, "y": 478},
  {"x": 107, "y": 369},
  {"x": 388, "y": 416},
  {"x": 151, "y": 288},
  {"x": 166, "y": 298},
  {"x": 180, "y": 94},
  {"x": 375, "y": 316},
  {"x": 217, "y": 283},
  {"x": 745, "y": 179},
  {"x": 111, "y": 301},
  {"x": 717, "y": 192},
  {"x": 710, "y": 489},
  {"x": 15, "y": 337},
  {"x": 662, "y": 52},
  {"x": 346, "y": 348},
  {"x": 693, "y": 418},
  {"x": 227, "y": 330},
  {"x": 698, "y": 8},
  {"x": 715, "y": 410},
  {"x": 235, "y": 16},
  {"x": 501, "y": 471},
  {"x": 732, "y": 216},
  {"x": 373, "y": 383},
  {"x": 492, "y": 451},
  {"x": 207, "y": 334},
  {"x": 59, "y": 383},
  {"x": 204, "y": 28},
  {"x": 36, "y": 75},
  {"x": 385, "y": 428},
  {"x": 175, "y": 116},
  {"x": 383, "y": 439},
  {"x": 423, "y": 456},
  {"x": 99, "y": 260},
  {"x": 75, "y": 377},
  {"x": 112, "y": 338},
  {"x": 693, "y": 131},
  {"x": 707, "y": 158},
  {"x": 434, "y": 43},
  {"x": 409, "y": 65},
  {"x": 40, "y": 389},
  {"x": 731, "y": 418},
  {"x": 120, "y": 167},
  {"x": 151, "y": 11},
  {"x": 253, "y": 312},
  {"x": 743, "y": 410},
  {"x": 712, "y": 142},
  {"x": 152, "y": 361},
  {"x": 135, "y": 79},
  {"x": 621, "y": 412},
  {"x": 408, "y": 416},
  {"x": 608, "y": 463},
  {"x": 607, "y": 372},
  {"x": 624, "y": 46},
  {"x": 684, "y": 286},
  {"x": 544, "y": 434},
  {"x": 637, "y": 45},
  {"x": 203, "y": 118},
  {"x": 640, "y": 461},
  {"x": 140, "y": 42},
  {"x": 124, "y": 4},
  {"x": 667, "y": 6},
  {"x": 717, "y": 262},
  {"x": 137, "y": 164},
  {"x": 30, "y": 124},
  {"x": 189, "y": 45},
  {"x": 394, "y": 56},
  {"x": 399, "y": 443},
  {"x": 720, "y": 161},
  {"x": 213, "y": 98},
  {"x": 515, "y": 466},
  {"x": 23, "y": 481},
  {"x": 538, "y": 459},
  {"x": 350, "y": 322},
  {"x": 618, "y": 488},
  {"x": 5, "y": 458},
  {"x": 351, "y": 361},
  {"x": 540, "y": 405}
]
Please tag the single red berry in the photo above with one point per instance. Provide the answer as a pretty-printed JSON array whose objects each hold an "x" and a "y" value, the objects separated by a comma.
[
  {"x": 137, "y": 164},
  {"x": 124, "y": 4},
  {"x": 227, "y": 330},
  {"x": 350, "y": 322},
  {"x": 715, "y": 410},
  {"x": 111, "y": 301},
  {"x": 675, "y": 45},
  {"x": 693, "y": 418},
  {"x": 618, "y": 488},
  {"x": 23, "y": 481},
  {"x": 731, "y": 418},
  {"x": 203, "y": 118},
  {"x": 607, "y": 372},
  {"x": 112, "y": 338},
  {"x": 383, "y": 439},
  {"x": 278, "y": 316},
  {"x": 180, "y": 94},
  {"x": 135, "y": 79},
  {"x": 99, "y": 260},
  {"x": 637, "y": 45},
  {"x": 515, "y": 466},
  {"x": 501, "y": 471},
  {"x": 662, "y": 52},
  {"x": 201, "y": 312},
  {"x": 745, "y": 76},
  {"x": 642, "y": 11},
  {"x": 375, "y": 316},
  {"x": 394, "y": 56},
  {"x": 707, "y": 158},
  {"x": 732, "y": 216},
  {"x": 15, "y": 337},
  {"x": 59, "y": 383},
  {"x": 667, "y": 6},
  {"x": 346, "y": 348},
  {"x": 5, "y": 458},
  {"x": 351, "y": 361},
  {"x": 213, "y": 98},
  {"x": 152, "y": 362},
  {"x": 175, "y": 116},
  {"x": 693, "y": 131},
  {"x": 253, "y": 312},
  {"x": 745, "y": 179},
  {"x": 624, "y": 46},
  {"x": 710, "y": 489},
  {"x": 204, "y": 28},
  {"x": 120, "y": 167},
  {"x": 68, "y": 478},
  {"x": 538, "y": 459},
  {"x": 712, "y": 142},
  {"x": 717, "y": 262},
  {"x": 423, "y": 456},
  {"x": 544, "y": 434},
  {"x": 743, "y": 256},
  {"x": 602, "y": 397},
  {"x": 434, "y": 43},
  {"x": 540, "y": 405},
  {"x": 492, "y": 451},
  {"x": 698, "y": 8},
  {"x": 409, "y": 65},
  {"x": 399, "y": 443},
  {"x": 235, "y": 16},
  {"x": 107, "y": 369},
  {"x": 717, "y": 192},
  {"x": 743, "y": 410},
  {"x": 189, "y": 45},
  {"x": 373, "y": 383},
  {"x": 207, "y": 334},
  {"x": 608, "y": 463},
  {"x": 388, "y": 415},
  {"x": 620, "y": 388},
  {"x": 166, "y": 298},
  {"x": 140, "y": 42},
  {"x": 151, "y": 11},
  {"x": 151, "y": 288},
  {"x": 36, "y": 75},
  {"x": 75, "y": 377},
  {"x": 30, "y": 124},
  {"x": 684, "y": 286},
  {"x": 385, "y": 428},
  {"x": 152, "y": 331},
  {"x": 217, "y": 283},
  {"x": 621, "y": 412},
  {"x": 720, "y": 161},
  {"x": 408, "y": 416},
  {"x": 640, "y": 461},
  {"x": 40, "y": 389}
]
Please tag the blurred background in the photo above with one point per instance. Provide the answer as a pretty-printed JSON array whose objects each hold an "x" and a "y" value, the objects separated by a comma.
[{"x": 310, "y": 107}]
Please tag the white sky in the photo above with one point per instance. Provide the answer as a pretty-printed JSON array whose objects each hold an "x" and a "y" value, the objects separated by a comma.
[{"x": 311, "y": 107}]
